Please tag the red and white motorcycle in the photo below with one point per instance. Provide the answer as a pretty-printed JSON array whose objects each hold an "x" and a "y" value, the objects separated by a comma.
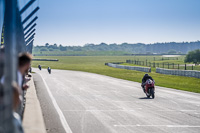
[{"x": 149, "y": 88}]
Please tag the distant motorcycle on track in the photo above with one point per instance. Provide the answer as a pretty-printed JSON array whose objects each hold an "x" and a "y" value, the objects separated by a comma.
[
  {"x": 39, "y": 66},
  {"x": 49, "y": 70}
]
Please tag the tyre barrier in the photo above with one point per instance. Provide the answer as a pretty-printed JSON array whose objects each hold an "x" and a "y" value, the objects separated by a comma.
[
  {"x": 136, "y": 68},
  {"x": 186, "y": 73}
]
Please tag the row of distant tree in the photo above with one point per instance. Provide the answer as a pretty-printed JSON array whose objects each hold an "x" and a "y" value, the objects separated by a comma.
[{"x": 139, "y": 48}]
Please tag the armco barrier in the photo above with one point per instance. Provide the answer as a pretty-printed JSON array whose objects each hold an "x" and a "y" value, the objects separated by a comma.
[
  {"x": 143, "y": 69},
  {"x": 186, "y": 73},
  {"x": 45, "y": 60}
]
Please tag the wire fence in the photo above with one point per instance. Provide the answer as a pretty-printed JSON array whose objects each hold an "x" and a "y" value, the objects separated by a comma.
[{"x": 167, "y": 65}]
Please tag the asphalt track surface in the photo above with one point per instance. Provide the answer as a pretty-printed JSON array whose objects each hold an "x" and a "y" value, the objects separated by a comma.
[{"x": 80, "y": 102}]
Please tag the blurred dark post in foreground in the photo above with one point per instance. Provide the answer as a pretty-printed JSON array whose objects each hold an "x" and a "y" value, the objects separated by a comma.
[
  {"x": 10, "y": 61},
  {"x": 13, "y": 42}
]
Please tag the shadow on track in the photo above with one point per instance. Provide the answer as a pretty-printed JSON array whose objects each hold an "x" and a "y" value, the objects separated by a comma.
[{"x": 144, "y": 98}]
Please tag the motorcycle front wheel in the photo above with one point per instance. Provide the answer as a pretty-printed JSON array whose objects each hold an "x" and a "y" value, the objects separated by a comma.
[
  {"x": 148, "y": 95},
  {"x": 152, "y": 93}
]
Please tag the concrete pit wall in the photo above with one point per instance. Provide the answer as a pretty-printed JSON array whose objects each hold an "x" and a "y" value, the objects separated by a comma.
[
  {"x": 143, "y": 69},
  {"x": 186, "y": 73}
]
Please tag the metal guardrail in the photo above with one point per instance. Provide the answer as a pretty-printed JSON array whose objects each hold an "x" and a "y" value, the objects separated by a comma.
[
  {"x": 45, "y": 60},
  {"x": 186, "y": 73},
  {"x": 136, "y": 68}
]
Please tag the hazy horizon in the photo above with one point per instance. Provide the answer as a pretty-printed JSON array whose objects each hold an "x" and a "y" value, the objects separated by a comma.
[{"x": 115, "y": 43}]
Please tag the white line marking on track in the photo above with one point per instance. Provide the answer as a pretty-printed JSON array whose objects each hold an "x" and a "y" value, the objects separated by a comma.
[
  {"x": 171, "y": 126},
  {"x": 62, "y": 117},
  {"x": 188, "y": 110}
]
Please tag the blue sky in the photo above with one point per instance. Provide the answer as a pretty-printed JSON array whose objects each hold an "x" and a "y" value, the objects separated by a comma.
[{"x": 77, "y": 22}]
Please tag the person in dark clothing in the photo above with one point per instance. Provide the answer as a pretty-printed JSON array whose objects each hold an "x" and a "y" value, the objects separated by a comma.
[
  {"x": 144, "y": 79},
  {"x": 39, "y": 66},
  {"x": 49, "y": 70}
]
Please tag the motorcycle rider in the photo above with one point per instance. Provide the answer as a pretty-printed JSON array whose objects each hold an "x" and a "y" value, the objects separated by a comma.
[
  {"x": 39, "y": 66},
  {"x": 144, "y": 79},
  {"x": 49, "y": 70}
]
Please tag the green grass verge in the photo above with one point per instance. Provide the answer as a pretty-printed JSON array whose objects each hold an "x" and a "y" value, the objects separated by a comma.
[{"x": 95, "y": 64}]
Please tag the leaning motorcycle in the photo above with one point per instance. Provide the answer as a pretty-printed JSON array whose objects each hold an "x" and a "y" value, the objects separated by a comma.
[
  {"x": 49, "y": 70},
  {"x": 39, "y": 67},
  {"x": 149, "y": 88}
]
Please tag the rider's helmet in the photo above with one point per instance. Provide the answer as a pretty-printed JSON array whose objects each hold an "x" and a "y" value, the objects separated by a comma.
[{"x": 146, "y": 75}]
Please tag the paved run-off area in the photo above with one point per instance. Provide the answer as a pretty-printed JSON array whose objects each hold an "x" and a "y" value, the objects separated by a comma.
[{"x": 81, "y": 102}]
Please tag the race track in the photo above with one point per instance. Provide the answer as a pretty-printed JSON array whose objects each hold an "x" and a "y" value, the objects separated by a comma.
[{"x": 80, "y": 102}]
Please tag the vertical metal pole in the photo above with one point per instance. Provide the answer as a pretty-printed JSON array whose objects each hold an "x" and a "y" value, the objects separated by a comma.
[
  {"x": 2, "y": 7},
  {"x": 185, "y": 67},
  {"x": 10, "y": 62},
  {"x": 2, "y": 12},
  {"x": 1, "y": 15}
]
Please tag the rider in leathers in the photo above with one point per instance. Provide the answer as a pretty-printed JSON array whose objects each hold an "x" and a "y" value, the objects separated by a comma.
[{"x": 144, "y": 79}]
